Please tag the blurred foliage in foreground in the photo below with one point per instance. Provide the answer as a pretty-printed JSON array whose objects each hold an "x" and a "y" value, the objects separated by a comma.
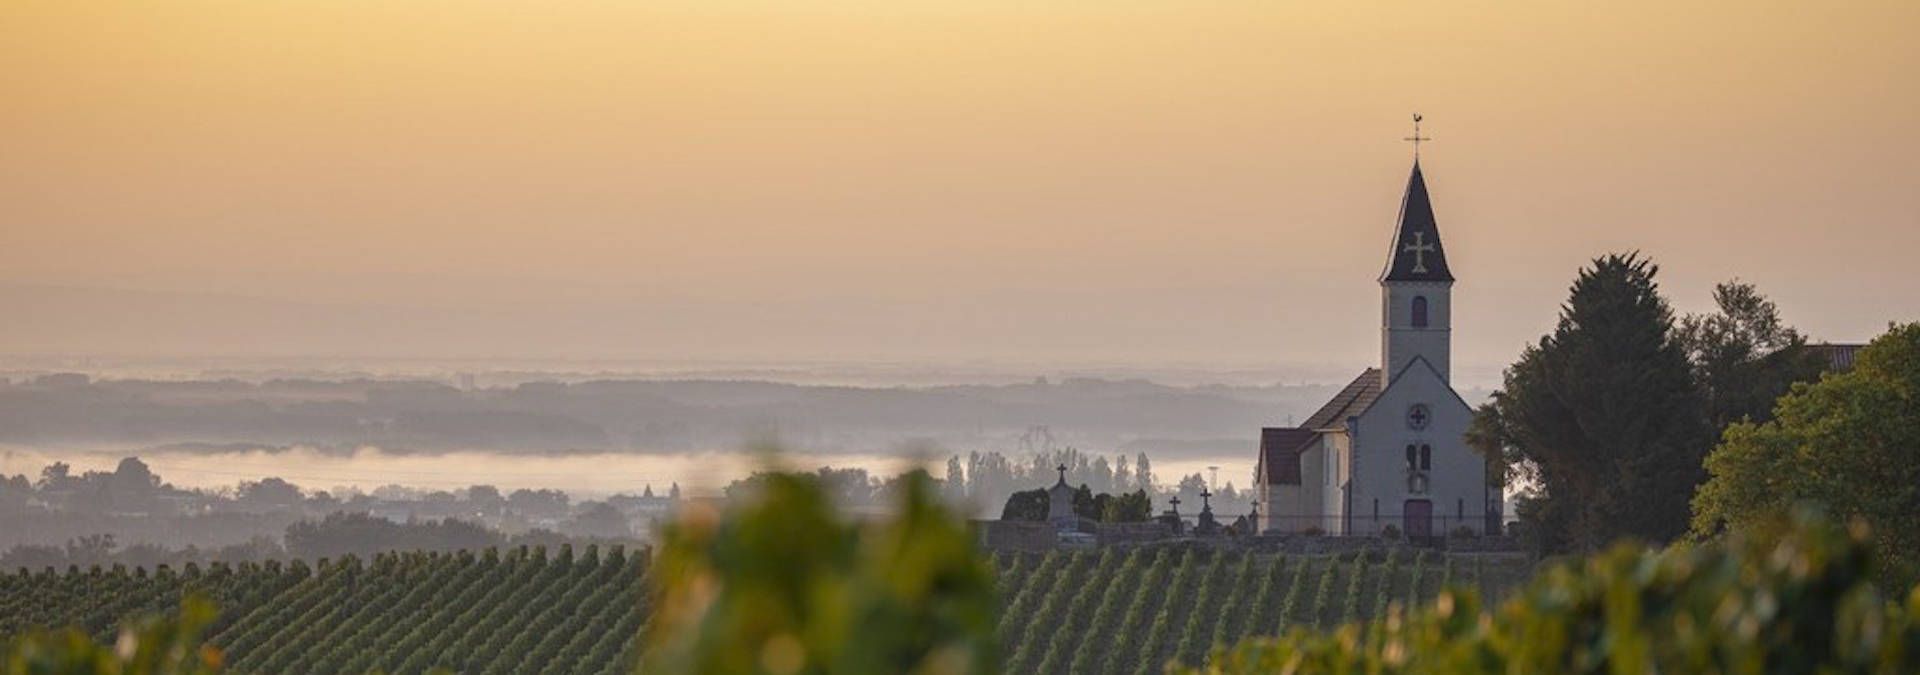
[
  {"x": 150, "y": 646},
  {"x": 783, "y": 583},
  {"x": 1802, "y": 603}
]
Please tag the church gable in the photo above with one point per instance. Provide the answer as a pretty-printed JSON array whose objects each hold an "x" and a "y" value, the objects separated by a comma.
[
  {"x": 1411, "y": 449},
  {"x": 1418, "y": 380}
]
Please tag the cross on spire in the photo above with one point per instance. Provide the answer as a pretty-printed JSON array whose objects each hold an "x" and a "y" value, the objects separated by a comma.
[
  {"x": 1419, "y": 248},
  {"x": 1205, "y": 502},
  {"x": 1416, "y": 138},
  {"x": 1063, "y": 473}
]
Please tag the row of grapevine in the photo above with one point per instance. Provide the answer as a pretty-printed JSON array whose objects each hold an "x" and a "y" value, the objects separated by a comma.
[
  {"x": 1118, "y": 594},
  {"x": 1073, "y": 624},
  {"x": 1192, "y": 642},
  {"x": 1145, "y": 604}
]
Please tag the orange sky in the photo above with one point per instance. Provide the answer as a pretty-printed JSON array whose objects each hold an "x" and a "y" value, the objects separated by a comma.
[{"x": 1118, "y": 180}]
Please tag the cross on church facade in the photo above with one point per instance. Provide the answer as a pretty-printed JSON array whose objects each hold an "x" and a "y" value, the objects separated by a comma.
[{"x": 1419, "y": 248}]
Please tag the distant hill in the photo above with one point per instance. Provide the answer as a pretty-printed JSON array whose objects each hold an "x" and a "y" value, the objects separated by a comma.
[{"x": 1104, "y": 415}]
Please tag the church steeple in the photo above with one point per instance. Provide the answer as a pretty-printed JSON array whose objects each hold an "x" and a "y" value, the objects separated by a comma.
[
  {"x": 1416, "y": 289},
  {"x": 1417, "y": 254}
]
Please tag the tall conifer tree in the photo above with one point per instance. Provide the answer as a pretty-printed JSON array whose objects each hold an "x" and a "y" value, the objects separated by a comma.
[{"x": 1601, "y": 418}]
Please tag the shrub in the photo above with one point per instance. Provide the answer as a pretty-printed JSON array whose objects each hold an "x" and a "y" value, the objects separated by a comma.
[
  {"x": 1390, "y": 533},
  {"x": 784, "y": 583},
  {"x": 150, "y": 646}
]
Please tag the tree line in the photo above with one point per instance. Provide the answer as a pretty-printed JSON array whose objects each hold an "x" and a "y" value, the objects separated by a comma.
[{"x": 1629, "y": 422}]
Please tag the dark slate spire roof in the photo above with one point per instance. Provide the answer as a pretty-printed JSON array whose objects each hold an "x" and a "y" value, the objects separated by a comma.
[{"x": 1416, "y": 254}]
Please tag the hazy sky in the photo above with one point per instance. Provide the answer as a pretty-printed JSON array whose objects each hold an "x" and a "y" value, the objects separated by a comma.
[{"x": 1115, "y": 180}]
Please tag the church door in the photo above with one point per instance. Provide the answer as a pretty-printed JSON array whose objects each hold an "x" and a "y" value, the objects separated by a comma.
[{"x": 1418, "y": 517}]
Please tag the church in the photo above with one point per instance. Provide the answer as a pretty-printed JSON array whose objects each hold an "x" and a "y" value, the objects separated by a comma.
[{"x": 1388, "y": 453}]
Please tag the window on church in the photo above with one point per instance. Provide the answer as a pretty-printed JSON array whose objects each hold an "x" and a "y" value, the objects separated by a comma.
[
  {"x": 1412, "y": 462},
  {"x": 1426, "y": 457},
  {"x": 1419, "y": 311}
]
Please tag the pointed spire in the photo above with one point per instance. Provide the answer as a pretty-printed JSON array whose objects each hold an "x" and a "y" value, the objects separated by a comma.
[{"x": 1416, "y": 254}]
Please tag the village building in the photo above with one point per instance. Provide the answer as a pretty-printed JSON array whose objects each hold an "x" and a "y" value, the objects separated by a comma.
[{"x": 1387, "y": 454}]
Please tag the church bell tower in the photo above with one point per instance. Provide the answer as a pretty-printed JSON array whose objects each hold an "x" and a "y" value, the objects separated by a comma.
[{"x": 1416, "y": 308}]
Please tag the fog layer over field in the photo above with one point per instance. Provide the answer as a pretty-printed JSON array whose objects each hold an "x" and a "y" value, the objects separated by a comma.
[
  {"x": 600, "y": 434},
  {"x": 585, "y": 475}
]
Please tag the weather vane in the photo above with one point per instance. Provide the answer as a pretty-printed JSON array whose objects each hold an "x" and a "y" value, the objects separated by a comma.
[{"x": 1416, "y": 138}]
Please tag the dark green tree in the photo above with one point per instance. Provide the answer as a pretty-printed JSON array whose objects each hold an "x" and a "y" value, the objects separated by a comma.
[
  {"x": 1131, "y": 507},
  {"x": 1028, "y": 505},
  {"x": 1744, "y": 357},
  {"x": 1086, "y": 505},
  {"x": 1601, "y": 418}
]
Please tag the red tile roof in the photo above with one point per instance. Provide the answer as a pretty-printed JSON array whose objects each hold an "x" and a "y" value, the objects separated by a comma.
[
  {"x": 1839, "y": 357},
  {"x": 1351, "y": 401},
  {"x": 1280, "y": 454}
]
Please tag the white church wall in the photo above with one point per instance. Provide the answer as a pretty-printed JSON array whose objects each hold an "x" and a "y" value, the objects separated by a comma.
[
  {"x": 1456, "y": 479},
  {"x": 1295, "y": 508},
  {"x": 1338, "y": 458},
  {"x": 1281, "y": 507}
]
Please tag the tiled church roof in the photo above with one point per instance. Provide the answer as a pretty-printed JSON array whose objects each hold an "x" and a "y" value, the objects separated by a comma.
[
  {"x": 1280, "y": 454},
  {"x": 1417, "y": 254},
  {"x": 1355, "y": 398}
]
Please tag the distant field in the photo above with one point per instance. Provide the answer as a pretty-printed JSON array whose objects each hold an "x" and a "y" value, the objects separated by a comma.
[{"x": 521, "y": 611}]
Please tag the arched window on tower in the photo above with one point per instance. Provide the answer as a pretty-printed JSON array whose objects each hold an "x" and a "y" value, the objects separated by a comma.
[
  {"x": 1419, "y": 311},
  {"x": 1426, "y": 457}
]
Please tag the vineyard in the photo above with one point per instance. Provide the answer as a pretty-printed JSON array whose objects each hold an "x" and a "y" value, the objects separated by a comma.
[
  {"x": 1130, "y": 612},
  {"x": 528, "y": 611},
  {"x": 519, "y": 611}
]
